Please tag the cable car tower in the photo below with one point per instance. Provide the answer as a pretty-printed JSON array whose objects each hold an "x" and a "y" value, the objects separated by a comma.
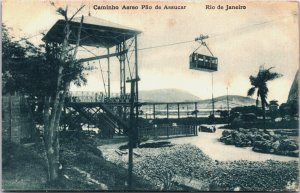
[{"x": 205, "y": 63}]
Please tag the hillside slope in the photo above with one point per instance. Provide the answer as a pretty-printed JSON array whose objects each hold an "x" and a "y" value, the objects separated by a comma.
[
  {"x": 167, "y": 95},
  {"x": 176, "y": 95}
]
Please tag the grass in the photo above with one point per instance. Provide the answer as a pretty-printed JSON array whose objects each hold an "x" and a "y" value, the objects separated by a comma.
[
  {"x": 22, "y": 168},
  {"x": 89, "y": 158},
  {"x": 25, "y": 169}
]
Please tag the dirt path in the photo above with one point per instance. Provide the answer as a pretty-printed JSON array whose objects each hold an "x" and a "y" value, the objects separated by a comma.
[{"x": 209, "y": 144}]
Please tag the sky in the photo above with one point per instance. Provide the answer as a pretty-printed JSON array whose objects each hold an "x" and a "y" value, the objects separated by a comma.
[{"x": 265, "y": 33}]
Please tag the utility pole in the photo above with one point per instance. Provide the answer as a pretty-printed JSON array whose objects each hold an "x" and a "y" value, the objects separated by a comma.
[
  {"x": 136, "y": 88},
  {"x": 212, "y": 95},
  {"x": 228, "y": 114},
  {"x": 108, "y": 73},
  {"x": 132, "y": 131},
  {"x": 227, "y": 100}
]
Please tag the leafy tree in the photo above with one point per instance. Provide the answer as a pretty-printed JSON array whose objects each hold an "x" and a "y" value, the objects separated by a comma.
[
  {"x": 246, "y": 110},
  {"x": 44, "y": 74},
  {"x": 290, "y": 108},
  {"x": 223, "y": 113},
  {"x": 259, "y": 84},
  {"x": 13, "y": 54}
]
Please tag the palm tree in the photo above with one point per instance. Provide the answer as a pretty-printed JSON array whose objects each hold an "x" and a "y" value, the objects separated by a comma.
[{"x": 259, "y": 83}]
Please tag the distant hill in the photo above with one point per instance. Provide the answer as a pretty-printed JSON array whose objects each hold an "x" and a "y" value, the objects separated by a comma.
[
  {"x": 166, "y": 95},
  {"x": 176, "y": 95},
  {"x": 233, "y": 100}
]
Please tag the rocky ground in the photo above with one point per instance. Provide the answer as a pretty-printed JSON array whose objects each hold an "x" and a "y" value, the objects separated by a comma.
[
  {"x": 265, "y": 141},
  {"x": 186, "y": 167},
  {"x": 172, "y": 167}
]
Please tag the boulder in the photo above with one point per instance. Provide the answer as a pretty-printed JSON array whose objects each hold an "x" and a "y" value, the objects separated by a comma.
[
  {"x": 258, "y": 138},
  {"x": 275, "y": 145},
  {"x": 242, "y": 130},
  {"x": 226, "y": 133},
  {"x": 271, "y": 133},
  {"x": 229, "y": 140},
  {"x": 262, "y": 146},
  {"x": 266, "y": 136},
  {"x": 288, "y": 145}
]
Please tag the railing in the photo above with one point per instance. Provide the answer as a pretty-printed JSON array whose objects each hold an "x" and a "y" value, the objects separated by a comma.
[
  {"x": 86, "y": 96},
  {"x": 166, "y": 130}
]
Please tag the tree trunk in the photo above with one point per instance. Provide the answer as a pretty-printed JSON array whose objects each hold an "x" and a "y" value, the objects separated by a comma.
[
  {"x": 51, "y": 142},
  {"x": 263, "y": 106},
  {"x": 51, "y": 136},
  {"x": 53, "y": 158},
  {"x": 53, "y": 107}
]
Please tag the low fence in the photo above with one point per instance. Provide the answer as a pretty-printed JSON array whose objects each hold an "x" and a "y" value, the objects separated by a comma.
[{"x": 166, "y": 130}]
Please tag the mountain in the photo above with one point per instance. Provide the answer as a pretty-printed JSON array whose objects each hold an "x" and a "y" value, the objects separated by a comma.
[
  {"x": 233, "y": 101},
  {"x": 294, "y": 93},
  {"x": 176, "y": 95},
  {"x": 166, "y": 95}
]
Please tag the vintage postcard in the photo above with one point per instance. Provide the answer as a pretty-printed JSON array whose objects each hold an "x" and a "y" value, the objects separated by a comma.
[{"x": 141, "y": 95}]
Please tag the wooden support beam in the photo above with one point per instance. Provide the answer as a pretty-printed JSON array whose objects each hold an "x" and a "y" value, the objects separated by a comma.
[{"x": 101, "y": 57}]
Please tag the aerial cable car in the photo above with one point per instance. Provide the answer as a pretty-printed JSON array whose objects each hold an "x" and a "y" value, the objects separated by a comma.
[{"x": 203, "y": 62}]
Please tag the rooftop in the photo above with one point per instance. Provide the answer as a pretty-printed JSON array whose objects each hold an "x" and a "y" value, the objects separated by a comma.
[{"x": 95, "y": 32}]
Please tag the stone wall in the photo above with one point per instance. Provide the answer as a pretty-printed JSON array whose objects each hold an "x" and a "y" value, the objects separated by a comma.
[{"x": 17, "y": 122}]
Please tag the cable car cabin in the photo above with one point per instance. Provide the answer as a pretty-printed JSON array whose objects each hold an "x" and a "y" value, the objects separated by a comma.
[{"x": 203, "y": 62}]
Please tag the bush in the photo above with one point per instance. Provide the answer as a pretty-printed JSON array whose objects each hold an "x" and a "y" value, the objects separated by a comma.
[{"x": 261, "y": 140}]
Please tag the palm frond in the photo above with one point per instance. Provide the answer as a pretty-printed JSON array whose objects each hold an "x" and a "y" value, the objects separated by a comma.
[
  {"x": 273, "y": 75},
  {"x": 268, "y": 75},
  {"x": 259, "y": 82},
  {"x": 251, "y": 91},
  {"x": 253, "y": 80}
]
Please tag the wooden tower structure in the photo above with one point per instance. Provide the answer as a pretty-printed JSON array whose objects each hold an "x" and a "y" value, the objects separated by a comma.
[{"x": 117, "y": 41}]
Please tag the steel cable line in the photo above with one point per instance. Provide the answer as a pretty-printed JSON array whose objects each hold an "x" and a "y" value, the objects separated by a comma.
[
  {"x": 189, "y": 41},
  {"x": 217, "y": 35},
  {"x": 183, "y": 42}
]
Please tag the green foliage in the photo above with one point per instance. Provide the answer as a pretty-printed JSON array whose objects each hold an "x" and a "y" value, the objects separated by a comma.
[
  {"x": 246, "y": 110},
  {"x": 223, "y": 113},
  {"x": 259, "y": 82},
  {"x": 81, "y": 151},
  {"x": 261, "y": 141},
  {"x": 33, "y": 70},
  {"x": 290, "y": 108}
]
